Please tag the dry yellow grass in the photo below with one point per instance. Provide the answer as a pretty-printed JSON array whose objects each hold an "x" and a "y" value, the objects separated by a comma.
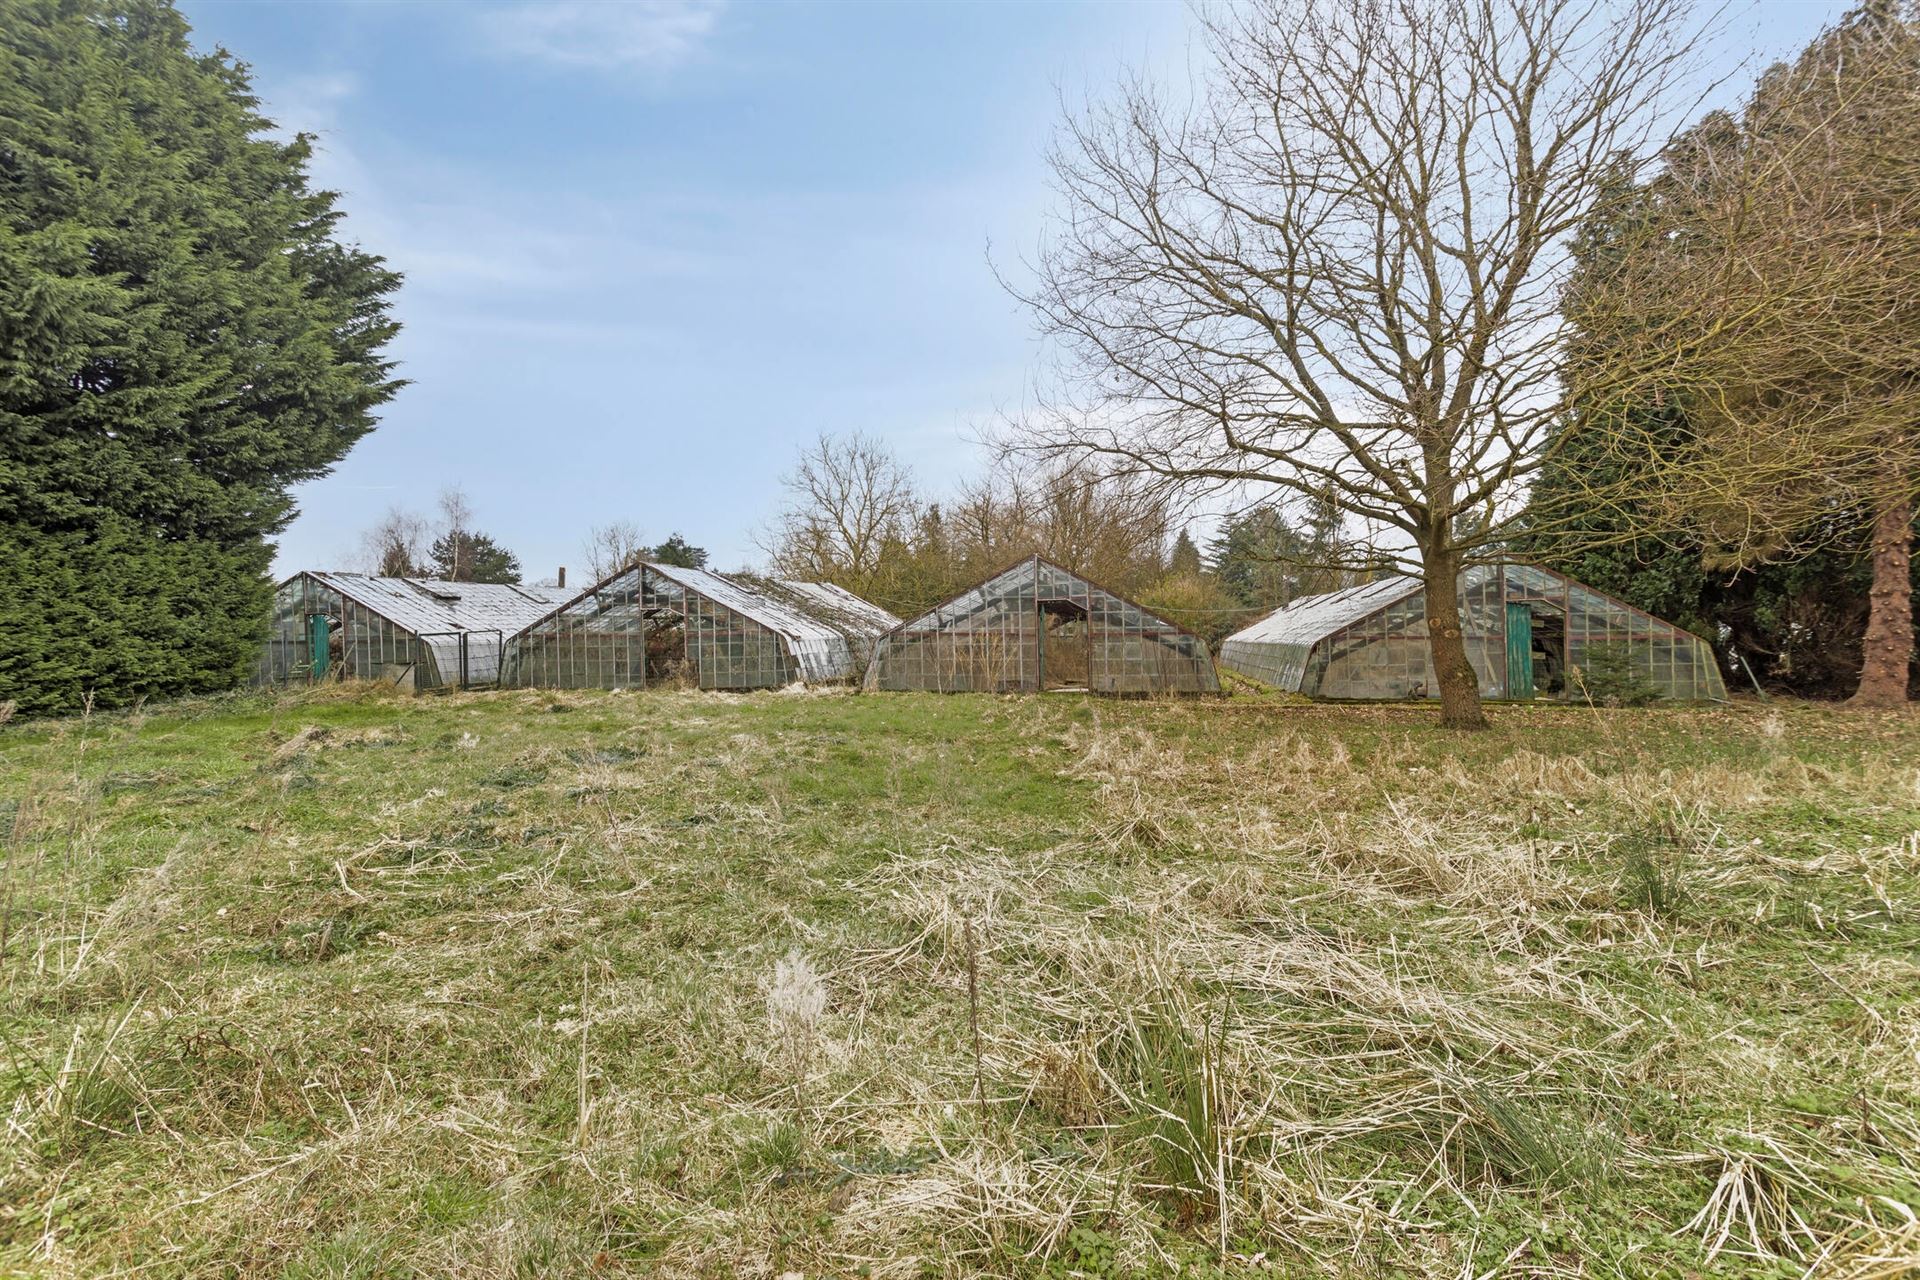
[{"x": 356, "y": 985}]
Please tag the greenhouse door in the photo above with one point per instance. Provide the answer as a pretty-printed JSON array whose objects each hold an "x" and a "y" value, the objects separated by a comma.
[
  {"x": 1519, "y": 651},
  {"x": 319, "y": 638},
  {"x": 1065, "y": 646}
]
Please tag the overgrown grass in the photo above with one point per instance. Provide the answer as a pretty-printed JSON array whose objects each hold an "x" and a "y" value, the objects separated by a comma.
[{"x": 353, "y": 984}]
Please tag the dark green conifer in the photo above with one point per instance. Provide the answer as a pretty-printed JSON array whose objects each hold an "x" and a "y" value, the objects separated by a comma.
[{"x": 184, "y": 335}]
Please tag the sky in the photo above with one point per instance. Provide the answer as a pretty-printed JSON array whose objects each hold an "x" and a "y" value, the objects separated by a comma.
[{"x": 653, "y": 249}]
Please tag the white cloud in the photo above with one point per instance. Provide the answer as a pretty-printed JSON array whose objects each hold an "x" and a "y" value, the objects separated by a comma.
[
  {"x": 643, "y": 35},
  {"x": 308, "y": 103}
]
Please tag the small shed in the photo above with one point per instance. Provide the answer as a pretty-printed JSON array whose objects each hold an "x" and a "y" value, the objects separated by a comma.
[
  {"x": 420, "y": 633},
  {"x": 1036, "y": 626},
  {"x": 661, "y": 624},
  {"x": 1530, "y": 632}
]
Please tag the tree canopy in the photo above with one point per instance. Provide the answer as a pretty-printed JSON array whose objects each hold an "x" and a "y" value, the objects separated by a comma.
[
  {"x": 184, "y": 335},
  {"x": 857, "y": 518},
  {"x": 677, "y": 551},
  {"x": 467, "y": 555},
  {"x": 1758, "y": 290}
]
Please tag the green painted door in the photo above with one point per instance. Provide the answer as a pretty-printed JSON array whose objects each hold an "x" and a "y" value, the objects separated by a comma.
[
  {"x": 319, "y": 637},
  {"x": 1519, "y": 651}
]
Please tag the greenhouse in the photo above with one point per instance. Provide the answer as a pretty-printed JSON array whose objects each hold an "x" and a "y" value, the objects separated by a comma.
[
  {"x": 417, "y": 633},
  {"x": 661, "y": 624},
  {"x": 1530, "y": 632},
  {"x": 1036, "y": 626}
]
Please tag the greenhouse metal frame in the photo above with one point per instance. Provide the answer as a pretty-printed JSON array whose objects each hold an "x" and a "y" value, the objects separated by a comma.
[
  {"x": 418, "y": 633},
  {"x": 1529, "y": 632},
  {"x": 663, "y": 624},
  {"x": 1036, "y": 625}
]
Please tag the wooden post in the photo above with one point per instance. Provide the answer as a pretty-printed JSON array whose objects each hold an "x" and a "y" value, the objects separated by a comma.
[{"x": 1039, "y": 634}]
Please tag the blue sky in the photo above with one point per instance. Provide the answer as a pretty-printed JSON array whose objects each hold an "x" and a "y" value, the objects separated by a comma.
[{"x": 653, "y": 249}]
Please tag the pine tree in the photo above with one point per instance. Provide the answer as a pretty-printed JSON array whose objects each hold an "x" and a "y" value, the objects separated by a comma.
[
  {"x": 1185, "y": 561},
  {"x": 183, "y": 337},
  {"x": 1264, "y": 561},
  {"x": 466, "y": 555},
  {"x": 677, "y": 551}
]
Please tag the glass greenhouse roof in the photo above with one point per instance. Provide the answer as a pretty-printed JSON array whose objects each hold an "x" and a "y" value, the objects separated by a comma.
[
  {"x": 1528, "y": 632},
  {"x": 428, "y": 605},
  {"x": 1036, "y": 625},
  {"x": 721, "y": 631}
]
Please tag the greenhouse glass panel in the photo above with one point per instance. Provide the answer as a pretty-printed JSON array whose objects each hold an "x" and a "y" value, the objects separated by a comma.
[
  {"x": 417, "y": 633},
  {"x": 1034, "y": 626},
  {"x": 667, "y": 625},
  {"x": 1370, "y": 641}
]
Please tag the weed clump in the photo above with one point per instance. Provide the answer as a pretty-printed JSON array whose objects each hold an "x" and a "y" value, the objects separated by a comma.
[
  {"x": 796, "y": 1001},
  {"x": 1170, "y": 1078}
]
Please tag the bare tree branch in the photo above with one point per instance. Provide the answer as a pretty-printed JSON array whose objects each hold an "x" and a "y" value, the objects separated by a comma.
[{"x": 1340, "y": 274}]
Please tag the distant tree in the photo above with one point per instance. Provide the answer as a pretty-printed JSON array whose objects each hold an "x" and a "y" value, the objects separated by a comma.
[
  {"x": 467, "y": 555},
  {"x": 1112, "y": 529},
  {"x": 184, "y": 336},
  {"x": 855, "y": 518},
  {"x": 990, "y": 523},
  {"x": 456, "y": 514},
  {"x": 1197, "y": 602},
  {"x": 461, "y": 553},
  {"x": 395, "y": 547},
  {"x": 1337, "y": 272},
  {"x": 850, "y": 514},
  {"x": 927, "y": 572},
  {"x": 1185, "y": 560},
  {"x": 491, "y": 562},
  {"x": 676, "y": 550},
  {"x": 1263, "y": 560},
  {"x": 611, "y": 547}
]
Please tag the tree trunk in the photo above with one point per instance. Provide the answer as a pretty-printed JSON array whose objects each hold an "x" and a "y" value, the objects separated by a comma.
[
  {"x": 1889, "y": 642},
  {"x": 1459, "y": 687}
]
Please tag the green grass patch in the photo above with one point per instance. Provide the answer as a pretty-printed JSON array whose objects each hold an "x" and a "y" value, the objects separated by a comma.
[{"x": 347, "y": 983}]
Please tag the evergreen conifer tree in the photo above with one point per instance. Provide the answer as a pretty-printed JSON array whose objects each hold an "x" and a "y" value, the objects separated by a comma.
[{"x": 183, "y": 337}]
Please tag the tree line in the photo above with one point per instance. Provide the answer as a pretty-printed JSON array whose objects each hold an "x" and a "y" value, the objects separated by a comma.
[
  {"x": 1409, "y": 285},
  {"x": 855, "y": 515}
]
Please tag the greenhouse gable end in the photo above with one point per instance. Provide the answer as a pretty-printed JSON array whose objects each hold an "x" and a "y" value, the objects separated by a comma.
[
  {"x": 420, "y": 633},
  {"x": 1036, "y": 626},
  {"x": 1530, "y": 632}
]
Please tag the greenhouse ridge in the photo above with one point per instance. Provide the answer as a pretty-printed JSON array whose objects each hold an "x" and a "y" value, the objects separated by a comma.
[
  {"x": 1529, "y": 632},
  {"x": 1034, "y": 626}
]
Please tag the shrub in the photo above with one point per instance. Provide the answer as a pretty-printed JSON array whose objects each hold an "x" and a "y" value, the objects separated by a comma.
[{"x": 1608, "y": 674}]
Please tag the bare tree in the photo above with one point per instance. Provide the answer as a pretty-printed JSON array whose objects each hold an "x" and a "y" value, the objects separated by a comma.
[
  {"x": 454, "y": 543},
  {"x": 990, "y": 523},
  {"x": 611, "y": 547},
  {"x": 850, "y": 500},
  {"x": 395, "y": 547},
  {"x": 1111, "y": 528},
  {"x": 1338, "y": 274}
]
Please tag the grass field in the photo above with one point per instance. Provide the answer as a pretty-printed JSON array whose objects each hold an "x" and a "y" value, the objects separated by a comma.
[{"x": 355, "y": 985}]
